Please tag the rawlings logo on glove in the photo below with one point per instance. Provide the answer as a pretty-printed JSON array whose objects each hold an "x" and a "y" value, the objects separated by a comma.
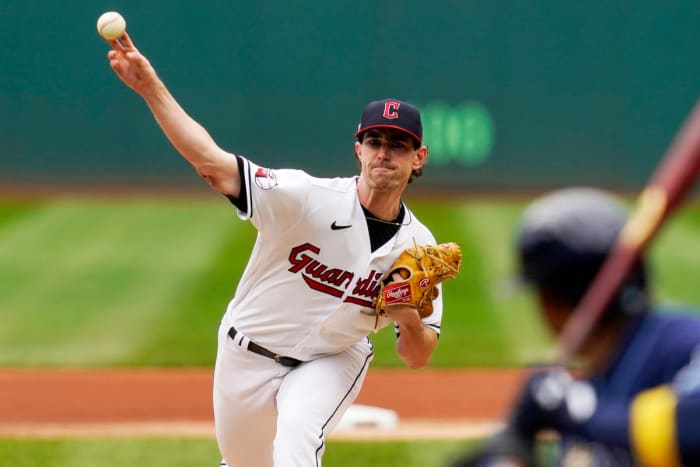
[
  {"x": 401, "y": 293},
  {"x": 422, "y": 268}
]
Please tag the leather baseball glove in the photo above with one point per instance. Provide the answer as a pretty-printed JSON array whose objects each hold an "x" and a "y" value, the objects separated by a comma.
[{"x": 422, "y": 268}]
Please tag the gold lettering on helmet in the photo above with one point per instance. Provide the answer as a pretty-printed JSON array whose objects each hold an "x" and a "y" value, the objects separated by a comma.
[{"x": 645, "y": 219}]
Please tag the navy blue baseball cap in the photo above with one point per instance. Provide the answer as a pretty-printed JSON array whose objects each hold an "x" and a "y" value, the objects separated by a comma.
[
  {"x": 392, "y": 113},
  {"x": 564, "y": 238}
]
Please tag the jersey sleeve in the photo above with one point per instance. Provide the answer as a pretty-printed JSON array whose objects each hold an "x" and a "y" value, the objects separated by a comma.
[
  {"x": 665, "y": 421},
  {"x": 653, "y": 427},
  {"x": 272, "y": 198},
  {"x": 241, "y": 200},
  {"x": 660, "y": 425}
]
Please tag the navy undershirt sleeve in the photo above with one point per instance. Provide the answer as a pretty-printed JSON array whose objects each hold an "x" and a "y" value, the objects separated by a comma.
[
  {"x": 687, "y": 419},
  {"x": 240, "y": 202}
]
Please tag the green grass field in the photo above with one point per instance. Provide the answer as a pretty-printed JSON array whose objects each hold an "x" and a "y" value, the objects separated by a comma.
[
  {"x": 144, "y": 281},
  {"x": 194, "y": 452}
]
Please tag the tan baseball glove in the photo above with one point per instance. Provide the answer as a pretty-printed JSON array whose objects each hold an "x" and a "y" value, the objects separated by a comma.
[{"x": 421, "y": 267}]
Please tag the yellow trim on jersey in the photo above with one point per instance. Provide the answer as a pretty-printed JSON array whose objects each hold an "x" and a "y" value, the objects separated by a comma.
[{"x": 653, "y": 428}]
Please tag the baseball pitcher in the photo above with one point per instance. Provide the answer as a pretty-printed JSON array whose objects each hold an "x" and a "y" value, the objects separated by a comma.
[{"x": 334, "y": 259}]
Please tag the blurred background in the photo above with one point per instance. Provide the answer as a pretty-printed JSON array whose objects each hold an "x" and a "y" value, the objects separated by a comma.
[
  {"x": 514, "y": 95},
  {"x": 113, "y": 253},
  {"x": 102, "y": 219},
  {"x": 105, "y": 231}
]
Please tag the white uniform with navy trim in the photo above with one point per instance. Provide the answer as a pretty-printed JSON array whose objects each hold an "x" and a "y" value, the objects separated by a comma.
[{"x": 306, "y": 293}]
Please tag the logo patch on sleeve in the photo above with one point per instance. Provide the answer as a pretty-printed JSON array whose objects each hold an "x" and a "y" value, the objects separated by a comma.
[{"x": 265, "y": 179}]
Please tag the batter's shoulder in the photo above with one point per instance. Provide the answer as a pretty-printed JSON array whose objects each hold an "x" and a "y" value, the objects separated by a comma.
[
  {"x": 678, "y": 320},
  {"x": 679, "y": 331}
]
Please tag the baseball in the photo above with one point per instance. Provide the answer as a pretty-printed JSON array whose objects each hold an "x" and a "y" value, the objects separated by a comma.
[{"x": 111, "y": 25}]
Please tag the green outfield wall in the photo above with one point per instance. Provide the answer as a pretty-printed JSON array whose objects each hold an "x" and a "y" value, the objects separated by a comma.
[{"x": 515, "y": 94}]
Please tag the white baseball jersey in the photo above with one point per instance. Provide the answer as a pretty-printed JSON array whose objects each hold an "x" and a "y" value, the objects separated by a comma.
[{"x": 308, "y": 287}]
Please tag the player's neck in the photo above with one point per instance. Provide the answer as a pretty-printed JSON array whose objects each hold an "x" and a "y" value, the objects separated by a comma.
[
  {"x": 384, "y": 205},
  {"x": 386, "y": 211}
]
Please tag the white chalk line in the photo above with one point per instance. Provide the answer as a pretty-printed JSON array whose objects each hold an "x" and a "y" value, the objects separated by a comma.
[{"x": 405, "y": 430}]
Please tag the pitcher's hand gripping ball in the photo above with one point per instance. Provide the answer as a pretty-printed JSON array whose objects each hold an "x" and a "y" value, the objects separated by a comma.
[
  {"x": 111, "y": 25},
  {"x": 422, "y": 268}
]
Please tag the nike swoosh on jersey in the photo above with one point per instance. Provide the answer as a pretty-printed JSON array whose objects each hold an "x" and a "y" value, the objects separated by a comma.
[{"x": 335, "y": 226}]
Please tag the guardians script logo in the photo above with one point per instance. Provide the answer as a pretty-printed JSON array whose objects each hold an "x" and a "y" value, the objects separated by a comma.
[{"x": 332, "y": 281}]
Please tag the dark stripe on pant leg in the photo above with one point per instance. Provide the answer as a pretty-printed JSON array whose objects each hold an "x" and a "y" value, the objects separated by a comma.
[{"x": 323, "y": 429}]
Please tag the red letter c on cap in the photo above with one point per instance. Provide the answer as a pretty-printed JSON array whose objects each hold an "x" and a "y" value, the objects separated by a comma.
[{"x": 391, "y": 109}]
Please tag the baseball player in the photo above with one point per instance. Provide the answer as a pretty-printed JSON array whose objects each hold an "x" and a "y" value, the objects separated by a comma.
[
  {"x": 637, "y": 399},
  {"x": 293, "y": 349}
]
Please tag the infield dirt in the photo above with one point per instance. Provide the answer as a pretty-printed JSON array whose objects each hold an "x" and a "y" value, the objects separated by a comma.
[{"x": 177, "y": 402}]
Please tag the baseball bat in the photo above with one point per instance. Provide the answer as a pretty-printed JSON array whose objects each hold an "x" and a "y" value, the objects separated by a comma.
[{"x": 670, "y": 183}]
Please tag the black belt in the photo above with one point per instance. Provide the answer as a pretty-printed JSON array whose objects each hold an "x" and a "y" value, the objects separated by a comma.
[{"x": 260, "y": 350}]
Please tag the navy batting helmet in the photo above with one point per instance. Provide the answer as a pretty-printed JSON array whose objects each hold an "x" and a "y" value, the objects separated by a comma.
[{"x": 563, "y": 239}]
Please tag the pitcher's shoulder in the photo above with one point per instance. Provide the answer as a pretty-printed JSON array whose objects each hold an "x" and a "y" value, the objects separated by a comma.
[{"x": 337, "y": 184}]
